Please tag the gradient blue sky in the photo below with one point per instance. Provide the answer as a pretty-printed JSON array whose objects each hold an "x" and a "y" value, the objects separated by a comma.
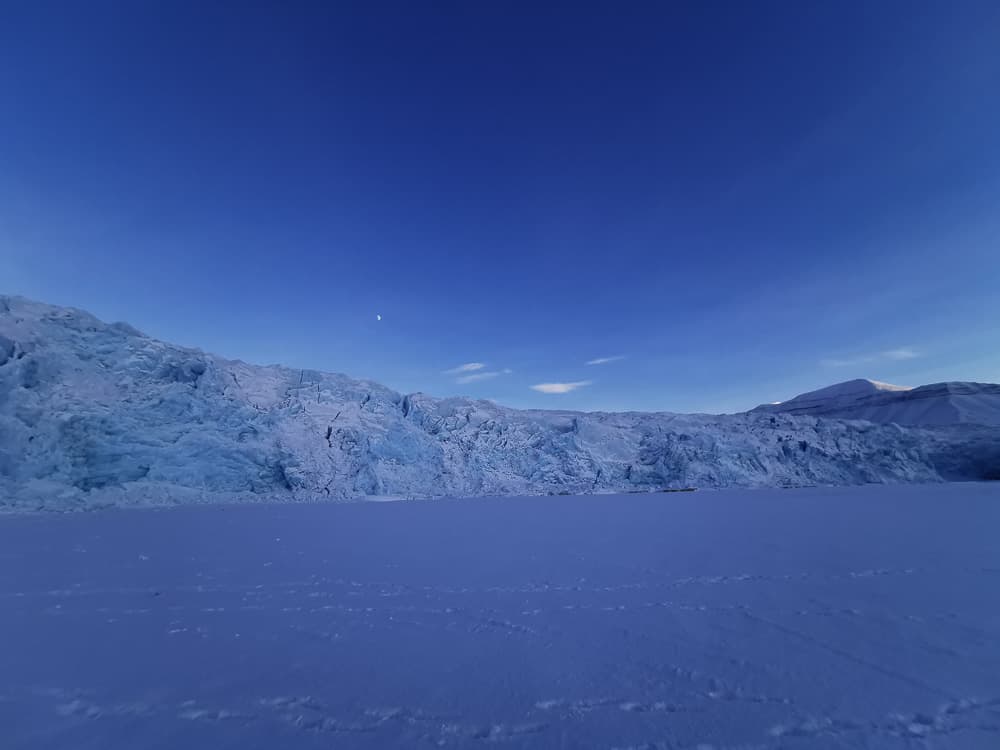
[{"x": 742, "y": 201}]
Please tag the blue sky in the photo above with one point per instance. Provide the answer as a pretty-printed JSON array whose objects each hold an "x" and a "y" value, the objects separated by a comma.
[{"x": 731, "y": 202}]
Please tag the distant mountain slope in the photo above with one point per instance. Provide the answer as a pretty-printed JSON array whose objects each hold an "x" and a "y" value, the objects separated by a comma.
[
  {"x": 937, "y": 404},
  {"x": 94, "y": 414}
]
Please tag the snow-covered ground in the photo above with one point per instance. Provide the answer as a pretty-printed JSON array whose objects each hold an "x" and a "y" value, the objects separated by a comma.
[{"x": 816, "y": 618}]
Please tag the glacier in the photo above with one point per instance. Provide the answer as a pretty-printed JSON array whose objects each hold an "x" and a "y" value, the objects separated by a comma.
[{"x": 95, "y": 415}]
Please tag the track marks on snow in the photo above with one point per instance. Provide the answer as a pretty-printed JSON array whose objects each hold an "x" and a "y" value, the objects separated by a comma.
[
  {"x": 967, "y": 714},
  {"x": 309, "y": 714}
]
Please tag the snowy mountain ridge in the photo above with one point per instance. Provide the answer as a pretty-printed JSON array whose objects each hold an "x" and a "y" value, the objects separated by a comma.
[
  {"x": 935, "y": 404},
  {"x": 850, "y": 389},
  {"x": 95, "y": 414}
]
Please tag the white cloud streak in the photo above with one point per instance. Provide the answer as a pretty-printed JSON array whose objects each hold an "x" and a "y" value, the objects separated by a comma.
[
  {"x": 477, "y": 376},
  {"x": 467, "y": 367},
  {"x": 605, "y": 360},
  {"x": 894, "y": 355},
  {"x": 560, "y": 387},
  {"x": 832, "y": 362}
]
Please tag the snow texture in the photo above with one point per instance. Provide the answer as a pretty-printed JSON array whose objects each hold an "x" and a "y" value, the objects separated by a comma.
[
  {"x": 95, "y": 415},
  {"x": 821, "y": 618},
  {"x": 937, "y": 404}
]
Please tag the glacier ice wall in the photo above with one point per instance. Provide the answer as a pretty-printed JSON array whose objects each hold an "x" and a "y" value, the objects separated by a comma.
[{"x": 93, "y": 414}]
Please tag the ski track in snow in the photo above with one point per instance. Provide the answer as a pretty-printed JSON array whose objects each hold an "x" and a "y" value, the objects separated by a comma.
[{"x": 846, "y": 618}]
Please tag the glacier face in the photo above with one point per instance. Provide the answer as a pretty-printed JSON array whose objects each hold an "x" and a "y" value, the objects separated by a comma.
[{"x": 93, "y": 414}]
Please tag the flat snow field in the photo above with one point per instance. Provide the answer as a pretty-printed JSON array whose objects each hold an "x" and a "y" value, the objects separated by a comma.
[{"x": 821, "y": 618}]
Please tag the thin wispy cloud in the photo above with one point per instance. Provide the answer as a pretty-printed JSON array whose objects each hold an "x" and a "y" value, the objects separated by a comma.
[
  {"x": 560, "y": 387},
  {"x": 893, "y": 355},
  {"x": 604, "y": 360},
  {"x": 904, "y": 353},
  {"x": 835, "y": 362},
  {"x": 467, "y": 367},
  {"x": 477, "y": 376}
]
